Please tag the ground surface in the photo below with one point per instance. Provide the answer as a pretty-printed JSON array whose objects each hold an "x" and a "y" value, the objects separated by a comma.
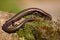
[
  {"x": 13, "y": 36},
  {"x": 3, "y": 35}
]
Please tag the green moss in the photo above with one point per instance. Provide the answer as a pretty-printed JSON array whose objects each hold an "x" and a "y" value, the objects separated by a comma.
[{"x": 39, "y": 29}]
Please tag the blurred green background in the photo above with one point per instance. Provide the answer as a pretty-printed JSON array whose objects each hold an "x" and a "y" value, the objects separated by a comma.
[
  {"x": 9, "y": 6},
  {"x": 14, "y": 6}
]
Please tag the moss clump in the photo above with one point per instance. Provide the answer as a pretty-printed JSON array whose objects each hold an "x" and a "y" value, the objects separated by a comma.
[{"x": 39, "y": 29}]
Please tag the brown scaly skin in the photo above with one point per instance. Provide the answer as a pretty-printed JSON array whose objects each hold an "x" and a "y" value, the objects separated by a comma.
[{"x": 34, "y": 11}]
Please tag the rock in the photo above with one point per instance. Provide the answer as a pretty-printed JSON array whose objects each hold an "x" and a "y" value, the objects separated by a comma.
[{"x": 3, "y": 35}]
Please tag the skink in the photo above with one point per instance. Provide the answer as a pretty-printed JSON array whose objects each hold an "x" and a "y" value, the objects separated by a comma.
[{"x": 34, "y": 11}]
